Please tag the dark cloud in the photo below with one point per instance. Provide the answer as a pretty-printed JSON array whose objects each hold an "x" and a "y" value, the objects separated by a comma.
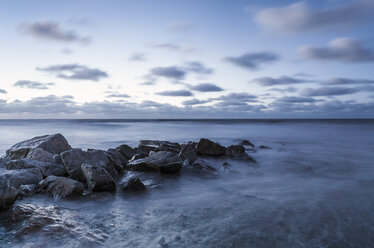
[
  {"x": 299, "y": 17},
  {"x": 330, "y": 91},
  {"x": 194, "y": 102},
  {"x": 206, "y": 87},
  {"x": 137, "y": 57},
  {"x": 75, "y": 72},
  {"x": 167, "y": 46},
  {"x": 237, "y": 96},
  {"x": 284, "y": 80},
  {"x": 175, "y": 93},
  {"x": 171, "y": 72},
  {"x": 252, "y": 61},
  {"x": 198, "y": 68},
  {"x": 179, "y": 27},
  {"x": 32, "y": 85},
  {"x": 347, "y": 50},
  {"x": 348, "y": 81},
  {"x": 117, "y": 95},
  {"x": 49, "y": 30},
  {"x": 295, "y": 99},
  {"x": 284, "y": 90},
  {"x": 3, "y": 91},
  {"x": 149, "y": 83}
]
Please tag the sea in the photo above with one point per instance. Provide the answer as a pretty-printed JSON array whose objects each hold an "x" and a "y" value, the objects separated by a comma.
[{"x": 314, "y": 187}]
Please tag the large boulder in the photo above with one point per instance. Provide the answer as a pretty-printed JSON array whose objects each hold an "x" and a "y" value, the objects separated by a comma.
[
  {"x": 74, "y": 158},
  {"x": 155, "y": 162},
  {"x": 61, "y": 186},
  {"x": 46, "y": 168},
  {"x": 98, "y": 179},
  {"x": 54, "y": 144},
  {"x": 246, "y": 143},
  {"x": 159, "y": 145},
  {"x": 209, "y": 148},
  {"x": 117, "y": 160},
  {"x": 8, "y": 193},
  {"x": 132, "y": 185},
  {"x": 188, "y": 153},
  {"x": 126, "y": 152},
  {"x": 238, "y": 152}
]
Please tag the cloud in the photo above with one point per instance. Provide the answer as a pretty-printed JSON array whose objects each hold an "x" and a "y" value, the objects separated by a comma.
[
  {"x": 175, "y": 93},
  {"x": 137, "y": 57},
  {"x": 32, "y": 84},
  {"x": 206, "y": 87},
  {"x": 284, "y": 90},
  {"x": 348, "y": 81},
  {"x": 74, "y": 72},
  {"x": 198, "y": 68},
  {"x": 283, "y": 80},
  {"x": 2, "y": 91},
  {"x": 295, "y": 99},
  {"x": 179, "y": 27},
  {"x": 117, "y": 95},
  {"x": 252, "y": 61},
  {"x": 172, "y": 72},
  {"x": 330, "y": 91},
  {"x": 299, "y": 17},
  {"x": 49, "y": 30},
  {"x": 148, "y": 83},
  {"x": 194, "y": 102},
  {"x": 347, "y": 50}
]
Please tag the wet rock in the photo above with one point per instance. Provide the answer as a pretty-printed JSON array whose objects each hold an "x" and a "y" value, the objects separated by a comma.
[
  {"x": 126, "y": 151},
  {"x": 202, "y": 167},
  {"x": 159, "y": 145},
  {"x": 115, "y": 159},
  {"x": 20, "y": 177},
  {"x": 188, "y": 152},
  {"x": 238, "y": 152},
  {"x": 171, "y": 167},
  {"x": 133, "y": 184},
  {"x": 28, "y": 190},
  {"x": 3, "y": 161},
  {"x": 154, "y": 161},
  {"x": 209, "y": 148},
  {"x": 22, "y": 212},
  {"x": 145, "y": 150},
  {"x": 54, "y": 144},
  {"x": 74, "y": 158},
  {"x": 264, "y": 147},
  {"x": 98, "y": 178},
  {"x": 138, "y": 156},
  {"x": 40, "y": 155},
  {"x": 8, "y": 194},
  {"x": 246, "y": 143},
  {"x": 61, "y": 186},
  {"x": 46, "y": 168}
]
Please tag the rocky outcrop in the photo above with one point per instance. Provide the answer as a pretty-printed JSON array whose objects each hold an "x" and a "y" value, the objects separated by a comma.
[
  {"x": 209, "y": 148},
  {"x": 246, "y": 143},
  {"x": 146, "y": 146},
  {"x": 46, "y": 168},
  {"x": 54, "y": 144},
  {"x": 155, "y": 161},
  {"x": 132, "y": 185},
  {"x": 74, "y": 158},
  {"x": 188, "y": 153},
  {"x": 126, "y": 152},
  {"x": 61, "y": 186},
  {"x": 238, "y": 152},
  {"x": 98, "y": 179},
  {"x": 116, "y": 160},
  {"x": 264, "y": 147},
  {"x": 8, "y": 193}
]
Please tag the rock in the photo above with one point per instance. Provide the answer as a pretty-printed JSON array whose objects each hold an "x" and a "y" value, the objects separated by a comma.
[
  {"x": 115, "y": 159},
  {"x": 20, "y": 177},
  {"x": 246, "y": 143},
  {"x": 264, "y": 147},
  {"x": 188, "y": 152},
  {"x": 209, "y": 148},
  {"x": 54, "y": 144},
  {"x": 74, "y": 158},
  {"x": 98, "y": 179},
  {"x": 126, "y": 151},
  {"x": 28, "y": 190},
  {"x": 40, "y": 155},
  {"x": 238, "y": 152},
  {"x": 21, "y": 212},
  {"x": 202, "y": 167},
  {"x": 171, "y": 167},
  {"x": 133, "y": 184},
  {"x": 46, "y": 168},
  {"x": 145, "y": 150},
  {"x": 154, "y": 162},
  {"x": 159, "y": 145},
  {"x": 61, "y": 186},
  {"x": 3, "y": 161},
  {"x": 8, "y": 193},
  {"x": 138, "y": 156}
]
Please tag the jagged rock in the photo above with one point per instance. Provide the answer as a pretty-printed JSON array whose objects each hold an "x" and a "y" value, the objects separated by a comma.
[
  {"x": 154, "y": 162},
  {"x": 145, "y": 150},
  {"x": 126, "y": 151},
  {"x": 171, "y": 167},
  {"x": 54, "y": 144},
  {"x": 138, "y": 156},
  {"x": 209, "y": 148},
  {"x": 202, "y": 167},
  {"x": 246, "y": 143},
  {"x": 40, "y": 155},
  {"x": 74, "y": 158},
  {"x": 188, "y": 152},
  {"x": 3, "y": 161},
  {"x": 238, "y": 152},
  {"x": 28, "y": 190},
  {"x": 98, "y": 179},
  {"x": 159, "y": 145},
  {"x": 46, "y": 168},
  {"x": 8, "y": 193},
  {"x": 115, "y": 159},
  {"x": 264, "y": 147},
  {"x": 133, "y": 184},
  {"x": 61, "y": 186}
]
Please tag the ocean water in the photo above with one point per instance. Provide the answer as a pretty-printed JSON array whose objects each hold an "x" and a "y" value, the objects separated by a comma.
[{"x": 313, "y": 188}]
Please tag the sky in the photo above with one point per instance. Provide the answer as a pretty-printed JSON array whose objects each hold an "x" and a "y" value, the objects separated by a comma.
[{"x": 187, "y": 59}]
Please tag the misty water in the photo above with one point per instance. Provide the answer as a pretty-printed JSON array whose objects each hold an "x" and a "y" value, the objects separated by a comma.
[{"x": 313, "y": 188}]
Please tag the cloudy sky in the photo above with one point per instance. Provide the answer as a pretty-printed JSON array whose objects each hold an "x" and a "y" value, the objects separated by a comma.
[{"x": 187, "y": 59}]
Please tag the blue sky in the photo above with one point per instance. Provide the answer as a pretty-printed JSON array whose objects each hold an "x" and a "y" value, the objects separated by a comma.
[{"x": 187, "y": 59}]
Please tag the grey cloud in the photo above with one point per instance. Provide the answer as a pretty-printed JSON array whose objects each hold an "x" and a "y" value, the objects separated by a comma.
[
  {"x": 149, "y": 83},
  {"x": 284, "y": 90},
  {"x": 167, "y": 46},
  {"x": 347, "y": 50},
  {"x": 330, "y": 91},
  {"x": 197, "y": 67},
  {"x": 2, "y": 91},
  {"x": 179, "y": 27},
  {"x": 295, "y": 99},
  {"x": 253, "y": 61},
  {"x": 175, "y": 93},
  {"x": 238, "y": 96},
  {"x": 32, "y": 84},
  {"x": 137, "y": 57},
  {"x": 172, "y": 72},
  {"x": 74, "y": 72},
  {"x": 284, "y": 80},
  {"x": 49, "y": 30},
  {"x": 348, "y": 81},
  {"x": 118, "y": 95},
  {"x": 206, "y": 87},
  {"x": 194, "y": 102},
  {"x": 299, "y": 17}
]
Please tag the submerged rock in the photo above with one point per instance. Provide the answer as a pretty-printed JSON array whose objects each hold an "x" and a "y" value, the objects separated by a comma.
[
  {"x": 61, "y": 186},
  {"x": 264, "y": 147},
  {"x": 202, "y": 167},
  {"x": 98, "y": 178},
  {"x": 246, "y": 143},
  {"x": 46, "y": 168},
  {"x": 210, "y": 148},
  {"x": 54, "y": 144},
  {"x": 238, "y": 152},
  {"x": 74, "y": 158},
  {"x": 133, "y": 184},
  {"x": 155, "y": 161}
]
